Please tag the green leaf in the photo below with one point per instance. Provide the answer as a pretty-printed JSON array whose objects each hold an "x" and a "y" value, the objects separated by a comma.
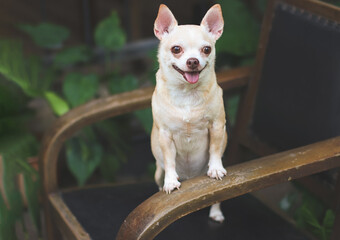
[
  {"x": 152, "y": 73},
  {"x": 12, "y": 100},
  {"x": 32, "y": 188},
  {"x": 28, "y": 74},
  {"x": 111, "y": 132},
  {"x": 11, "y": 192},
  {"x": 58, "y": 105},
  {"x": 13, "y": 111},
  {"x": 7, "y": 221},
  {"x": 83, "y": 158},
  {"x": 328, "y": 222},
  {"x": 14, "y": 151},
  {"x": 300, "y": 218},
  {"x": 313, "y": 204},
  {"x": 247, "y": 61},
  {"x": 13, "y": 124},
  {"x": 109, "y": 167},
  {"x": 119, "y": 84},
  {"x": 241, "y": 31},
  {"x": 329, "y": 218},
  {"x": 108, "y": 33},
  {"x": 72, "y": 55},
  {"x": 145, "y": 117},
  {"x": 310, "y": 218},
  {"x": 18, "y": 146},
  {"x": 232, "y": 104},
  {"x": 151, "y": 169},
  {"x": 109, "y": 128},
  {"x": 46, "y": 35},
  {"x": 79, "y": 88}
]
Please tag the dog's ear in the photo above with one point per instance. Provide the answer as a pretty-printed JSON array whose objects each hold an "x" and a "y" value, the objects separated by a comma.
[
  {"x": 213, "y": 21},
  {"x": 165, "y": 21}
]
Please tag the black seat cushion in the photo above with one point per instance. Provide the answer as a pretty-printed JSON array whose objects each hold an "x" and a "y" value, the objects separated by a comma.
[
  {"x": 102, "y": 210},
  {"x": 298, "y": 101}
]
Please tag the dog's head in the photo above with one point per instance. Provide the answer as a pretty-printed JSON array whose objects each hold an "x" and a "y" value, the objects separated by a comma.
[{"x": 187, "y": 52}]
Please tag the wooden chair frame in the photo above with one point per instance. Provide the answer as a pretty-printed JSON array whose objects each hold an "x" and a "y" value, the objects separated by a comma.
[{"x": 160, "y": 210}]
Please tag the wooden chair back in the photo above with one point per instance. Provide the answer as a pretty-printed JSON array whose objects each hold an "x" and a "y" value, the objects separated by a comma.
[{"x": 294, "y": 96}]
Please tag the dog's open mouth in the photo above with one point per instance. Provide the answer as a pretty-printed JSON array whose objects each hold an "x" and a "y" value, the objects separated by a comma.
[{"x": 191, "y": 77}]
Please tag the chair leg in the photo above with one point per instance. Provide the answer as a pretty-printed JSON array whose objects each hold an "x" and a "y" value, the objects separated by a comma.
[
  {"x": 336, "y": 227},
  {"x": 51, "y": 230}
]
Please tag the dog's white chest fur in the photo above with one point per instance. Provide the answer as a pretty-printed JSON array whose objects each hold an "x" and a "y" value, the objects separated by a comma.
[{"x": 188, "y": 124}]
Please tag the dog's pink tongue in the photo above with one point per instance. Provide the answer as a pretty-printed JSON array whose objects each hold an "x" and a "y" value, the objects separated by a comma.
[{"x": 192, "y": 77}]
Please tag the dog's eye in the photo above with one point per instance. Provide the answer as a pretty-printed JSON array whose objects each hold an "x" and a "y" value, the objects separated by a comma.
[
  {"x": 176, "y": 49},
  {"x": 206, "y": 50}
]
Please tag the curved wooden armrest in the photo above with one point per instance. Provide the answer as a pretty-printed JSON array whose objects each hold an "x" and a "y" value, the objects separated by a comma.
[
  {"x": 160, "y": 210},
  {"x": 101, "y": 109}
]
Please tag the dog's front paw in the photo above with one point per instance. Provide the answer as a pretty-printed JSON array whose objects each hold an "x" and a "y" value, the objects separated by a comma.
[
  {"x": 216, "y": 171},
  {"x": 171, "y": 182},
  {"x": 170, "y": 185}
]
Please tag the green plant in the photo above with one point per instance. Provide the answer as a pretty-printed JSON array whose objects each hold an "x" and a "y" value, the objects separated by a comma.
[
  {"x": 46, "y": 35},
  {"x": 78, "y": 88},
  {"x": 112, "y": 137},
  {"x": 313, "y": 216},
  {"x": 241, "y": 32},
  {"x": 231, "y": 108},
  {"x": 15, "y": 149},
  {"x": 145, "y": 115},
  {"x": 308, "y": 220},
  {"x": 84, "y": 154},
  {"x": 28, "y": 78},
  {"x": 239, "y": 41},
  {"x": 29, "y": 74},
  {"x": 16, "y": 145},
  {"x": 108, "y": 34},
  {"x": 72, "y": 55},
  {"x": 309, "y": 213}
]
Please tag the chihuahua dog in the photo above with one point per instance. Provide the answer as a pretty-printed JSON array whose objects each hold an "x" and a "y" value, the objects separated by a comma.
[{"x": 189, "y": 135}]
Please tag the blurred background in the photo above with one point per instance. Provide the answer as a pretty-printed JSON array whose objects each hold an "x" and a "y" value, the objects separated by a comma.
[{"x": 57, "y": 55}]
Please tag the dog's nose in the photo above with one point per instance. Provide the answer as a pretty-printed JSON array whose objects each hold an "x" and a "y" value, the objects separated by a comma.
[{"x": 192, "y": 63}]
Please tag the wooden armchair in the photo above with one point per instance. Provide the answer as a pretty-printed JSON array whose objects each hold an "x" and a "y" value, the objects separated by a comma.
[{"x": 299, "y": 55}]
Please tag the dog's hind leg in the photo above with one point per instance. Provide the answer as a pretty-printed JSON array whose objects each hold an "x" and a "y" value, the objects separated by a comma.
[{"x": 216, "y": 213}]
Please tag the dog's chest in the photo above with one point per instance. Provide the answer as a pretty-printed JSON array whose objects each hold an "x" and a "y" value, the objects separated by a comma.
[{"x": 188, "y": 120}]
